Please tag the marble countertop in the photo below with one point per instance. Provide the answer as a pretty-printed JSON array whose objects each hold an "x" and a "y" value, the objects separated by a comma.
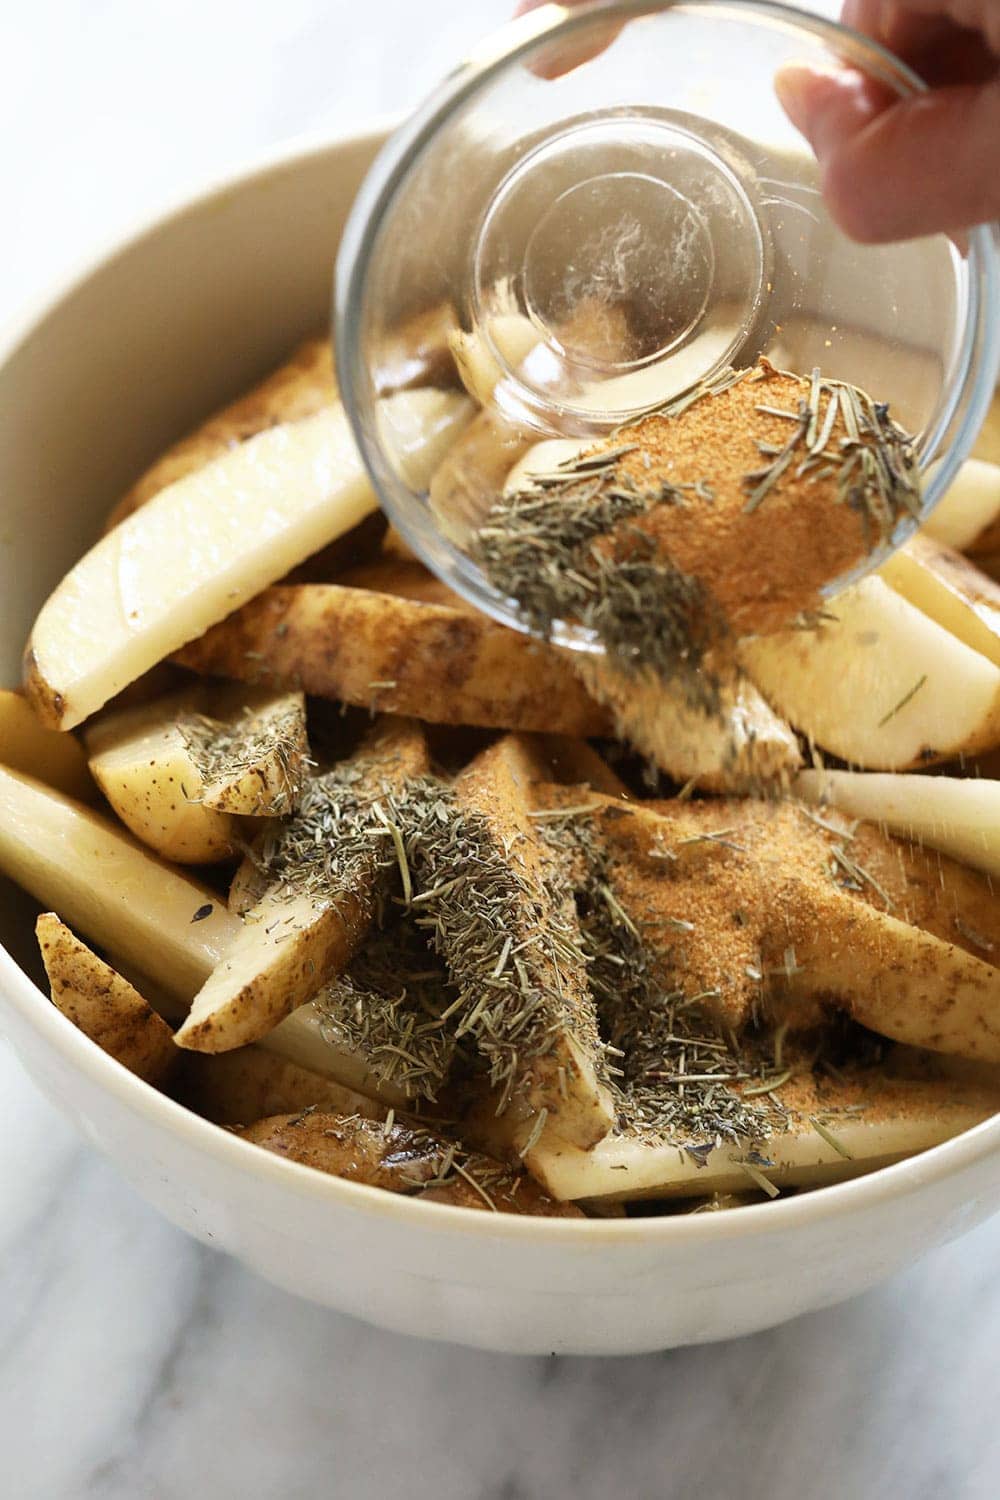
[{"x": 135, "y": 1363}]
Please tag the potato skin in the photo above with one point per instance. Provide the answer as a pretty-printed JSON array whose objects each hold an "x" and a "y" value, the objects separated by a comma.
[
  {"x": 402, "y": 656},
  {"x": 297, "y": 389},
  {"x": 400, "y": 1159},
  {"x": 103, "y": 1005}
]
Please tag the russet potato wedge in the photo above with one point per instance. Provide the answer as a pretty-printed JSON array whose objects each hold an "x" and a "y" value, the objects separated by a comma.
[
  {"x": 303, "y": 1038},
  {"x": 509, "y": 338},
  {"x": 867, "y": 1121},
  {"x": 142, "y": 762},
  {"x": 237, "y": 1088},
  {"x": 958, "y": 815},
  {"x": 405, "y": 1158},
  {"x": 26, "y": 745},
  {"x": 197, "y": 551},
  {"x": 966, "y": 516},
  {"x": 432, "y": 661},
  {"x": 111, "y": 889},
  {"x": 761, "y": 910},
  {"x": 291, "y": 942},
  {"x": 949, "y": 589},
  {"x": 881, "y": 685},
  {"x": 745, "y": 743},
  {"x": 103, "y": 1005},
  {"x": 257, "y": 767},
  {"x": 157, "y": 767},
  {"x": 561, "y": 1082}
]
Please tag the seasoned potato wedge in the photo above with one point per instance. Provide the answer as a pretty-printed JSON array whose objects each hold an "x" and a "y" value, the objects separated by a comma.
[
  {"x": 742, "y": 745},
  {"x": 881, "y": 685},
  {"x": 198, "y": 550},
  {"x": 52, "y": 757},
  {"x": 103, "y": 1005},
  {"x": 958, "y": 815},
  {"x": 402, "y": 1158},
  {"x": 561, "y": 1081},
  {"x": 896, "y": 1119},
  {"x": 142, "y": 762},
  {"x": 290, "y": 942},
  {"x": 430, "y": 661},
  {"x": 110, "y": 888},
  {"x": 236, "y": 1088},
  {"x": 949, "y": 589}
]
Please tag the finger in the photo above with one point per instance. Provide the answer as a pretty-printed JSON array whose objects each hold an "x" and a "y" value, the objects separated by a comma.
[
  {"x": 829, "y": 105},
  {"x": 573, "y": 52},
  {"x": 924, "y": 165}
]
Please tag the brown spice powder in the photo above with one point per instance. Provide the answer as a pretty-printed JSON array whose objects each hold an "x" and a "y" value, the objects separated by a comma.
[{"x": 765, "y": 566}]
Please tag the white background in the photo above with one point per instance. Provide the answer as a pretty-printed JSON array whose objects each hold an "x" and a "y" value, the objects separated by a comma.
[{"x": 135, "y": 1364}]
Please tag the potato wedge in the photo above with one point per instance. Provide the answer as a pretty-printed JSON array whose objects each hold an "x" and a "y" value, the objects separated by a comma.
[
  {"x": 865, "y": 1122},
  {"x": 237, "y": 1088},
  {"x": 881, "y": 686},
  {"x": 142, "y": 762},
  {"x": 430, "y": 661},
  {"x": 419, "y": 428},
  {"x": 251, "y": 752},
  {"x": 557, "y": 1075},
  {"x": 511, "y": 337},
  {"x": 294, "y": 939},
  {"x": 969, "y": 510},
  {"x": 949, "y": 589},
  {"x": 402, "y": 1158},
  {"x": 303, "y": 1038},
  {"x": 195, "y": 552},
  {"x": 111, "y": 889},
  {"x": 103, "y": 1005},
  {"x": 52, "y": 757},
  {"x": 958, "y": 815},
  {"x": 741, "y": 746}
]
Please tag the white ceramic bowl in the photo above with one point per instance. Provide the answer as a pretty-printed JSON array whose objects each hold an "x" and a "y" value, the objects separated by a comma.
[{"x": 162, "y": 329}]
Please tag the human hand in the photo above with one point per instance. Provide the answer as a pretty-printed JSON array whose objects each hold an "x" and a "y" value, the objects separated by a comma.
[{"x": 893, "y": 169}]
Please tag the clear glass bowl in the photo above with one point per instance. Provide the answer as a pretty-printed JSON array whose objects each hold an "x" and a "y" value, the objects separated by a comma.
[{"x": 606, "y": 238}]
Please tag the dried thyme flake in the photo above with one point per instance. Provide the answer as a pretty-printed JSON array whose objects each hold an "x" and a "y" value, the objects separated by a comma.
[
  {"x": 387, "y": 1006},
  {"x": 906, "y": 698}
]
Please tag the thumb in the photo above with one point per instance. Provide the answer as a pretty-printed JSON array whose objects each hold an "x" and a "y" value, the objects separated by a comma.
[{"x": 897, "y": 169}]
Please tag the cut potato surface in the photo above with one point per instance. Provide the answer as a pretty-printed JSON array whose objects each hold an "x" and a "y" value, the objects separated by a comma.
[
  {"x": 431, "y": 661},
  {"x": 959, "y": 816},
  {"x": 949, "y": 589},
  {"x": 419, "y": 428},
  {"x": 111, "y": 889},
  {"x": 882, "y": 685},
  {"x": 292, "y": 941},
  {"x": 300, "y": 388},
  {"x": 868, "y": 1122},
  {"x": 196, "y": 552},
  {"x": 142, "y": 762},
  {"x": 103, "y": 1005},
  {"x": 26, "y": 745},
  {"x": 968, "y": 512},
  {"x": 742, "y": 745},
  {"x": 237, "y": 1088}
]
